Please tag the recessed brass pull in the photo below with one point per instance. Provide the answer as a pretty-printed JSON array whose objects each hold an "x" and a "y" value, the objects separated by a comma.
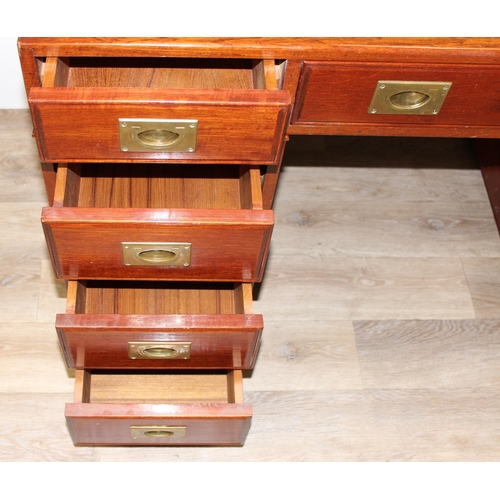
[
  {"x": 156, "y": 254},
  {"x": 158, "y": 431},
  {"x": 408, "y": 98},
  {"x": 158, "y": 138},
  {"x": 158, "y": 434},
  {"x": 146, "y": 135},
  {"x": 159, "y": 350}
]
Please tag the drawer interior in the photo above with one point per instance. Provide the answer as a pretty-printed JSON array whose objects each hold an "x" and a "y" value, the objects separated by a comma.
[
  {"x": 158, "y": 186},
  {"x": 159, "y": 72},
  {"x": 145, "y": 297},
  {"x": 158, "y": 222},
  {"x": 152, "y": 387}
]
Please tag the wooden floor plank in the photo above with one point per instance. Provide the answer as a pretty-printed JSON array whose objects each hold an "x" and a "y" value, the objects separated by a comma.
[
  {"x": 33, "y": 431},
  {"x": 381, "y": 288},
  {"x": 306, "y": 355},
  {"x": 32, "y": 361},
  {"x": 387, "y": 212},
  {"x": 429, "y": 354},
  {"x": 19, "y": 159}
]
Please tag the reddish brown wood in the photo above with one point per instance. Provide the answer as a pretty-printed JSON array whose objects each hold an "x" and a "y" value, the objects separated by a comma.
[
  {"x": 270, "y": 182},
  {"x": 229, "y": 239},
  {"x": 217, "y": 341},
  {"x": 227, "y": 245},
  {"x": 109, "y": 424},
  {"x": 341, "y": 94},
  {"x": 82, "y": 124},
  {"x": 49, "y": 177},
  {"x": 31, "y": 74},
  {"x": 75, "y": 118},
  {"x": 158, "y": 297},
  {"x": 346, "y": 129},
  {"x": 107, "y": 405},
  {"x": 412, "y": 49}
]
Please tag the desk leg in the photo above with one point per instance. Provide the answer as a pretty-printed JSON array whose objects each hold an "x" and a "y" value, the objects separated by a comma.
[{"x": 488, "y": 152}]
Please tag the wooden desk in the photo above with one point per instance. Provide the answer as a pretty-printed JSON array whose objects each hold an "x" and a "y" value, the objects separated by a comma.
[{"x": 124, "y": 172}]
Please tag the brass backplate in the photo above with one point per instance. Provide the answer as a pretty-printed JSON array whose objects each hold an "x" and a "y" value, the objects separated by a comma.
[
  {"x": 150, "y": 135},
  {"x": 159, "y": 350},
  {"x": 408, "y": 98},
  {"x": 169, "y": 254},
  {"x": 158, "y": 431}
]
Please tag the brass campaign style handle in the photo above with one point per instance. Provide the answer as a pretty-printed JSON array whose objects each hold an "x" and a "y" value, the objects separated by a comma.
[
  {"x": 156, "y": 254},
  {"x": 159, "y": 350},
  {"x": 408, "y": 98},
  {"x": 157, "y": 135},
  {"x": 158, "y": 431}
]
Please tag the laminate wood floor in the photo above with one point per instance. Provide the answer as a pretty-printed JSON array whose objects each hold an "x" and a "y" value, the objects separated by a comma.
[{"x": 381, "y": 302}]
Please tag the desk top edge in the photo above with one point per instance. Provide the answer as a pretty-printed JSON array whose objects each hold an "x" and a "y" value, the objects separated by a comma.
[{"x": 263, "y": 47}]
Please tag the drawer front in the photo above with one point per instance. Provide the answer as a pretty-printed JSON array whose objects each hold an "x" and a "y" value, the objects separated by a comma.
[
  {"x": 159, "y": 341},
  {"x": 155, "y": 408},
  {"x": 79, "y": 124},
  {"x": 158, "y": 425},
  {"x": 341, "y": 93},
  {"x": 225, "y": 245}
]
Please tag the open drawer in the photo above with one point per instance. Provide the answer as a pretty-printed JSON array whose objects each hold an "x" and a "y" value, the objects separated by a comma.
[
  {"x": 154, "y": 408},
  {"x": 145, "y": 108},
  {"x": 159, "y": 325},
  {"x": 158, "y": 222}
]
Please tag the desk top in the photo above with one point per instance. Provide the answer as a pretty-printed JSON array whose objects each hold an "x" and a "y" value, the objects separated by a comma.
[
  {"x": 380, "y": 48},
  {"x": 331, "y": 82}
]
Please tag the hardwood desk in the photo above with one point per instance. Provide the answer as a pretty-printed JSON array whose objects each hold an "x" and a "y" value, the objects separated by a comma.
[{"x": 161, "y": 159}]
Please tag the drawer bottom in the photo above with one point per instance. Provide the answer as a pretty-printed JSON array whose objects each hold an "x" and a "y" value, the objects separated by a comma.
[{"x": 158, "y": 409}]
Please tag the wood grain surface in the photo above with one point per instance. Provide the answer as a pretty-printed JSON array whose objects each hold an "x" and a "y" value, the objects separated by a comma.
[{"x": 381, "y": 338}]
